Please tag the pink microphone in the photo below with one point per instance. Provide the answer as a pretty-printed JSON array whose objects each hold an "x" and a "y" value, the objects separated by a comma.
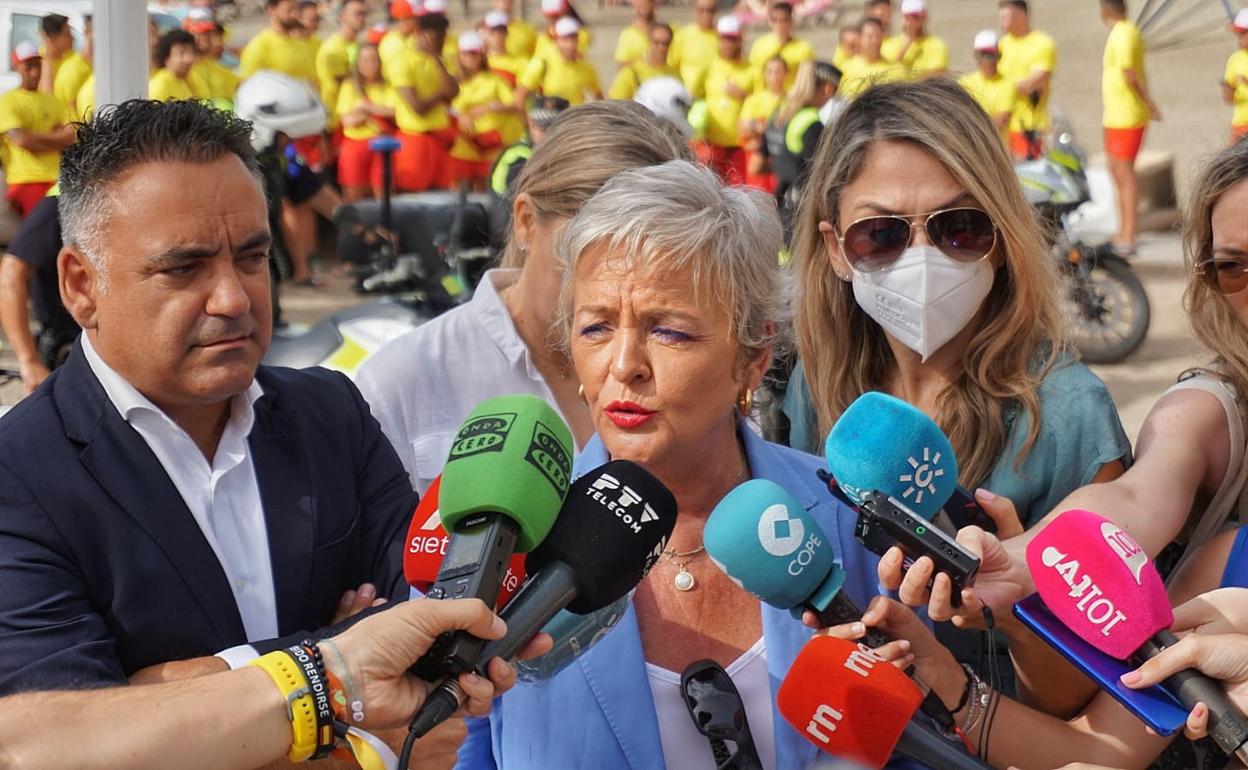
[{"x": 1098, "y": 581}]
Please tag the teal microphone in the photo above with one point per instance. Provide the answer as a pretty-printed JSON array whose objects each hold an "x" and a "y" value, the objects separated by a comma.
[{"x": 763, "y": 539}]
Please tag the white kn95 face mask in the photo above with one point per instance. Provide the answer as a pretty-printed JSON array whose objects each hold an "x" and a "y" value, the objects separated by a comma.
[{"x": 924, "y": 298}]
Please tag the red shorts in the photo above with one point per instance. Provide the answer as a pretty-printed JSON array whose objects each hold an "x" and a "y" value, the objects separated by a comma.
[
  {"x": 1020, "y": 147},
  {"x": 764, "y": 182},
  {"x": 23, "y": 196},
  {"x": 728, "y": 163},
  {"x": 424, "y": 160},
  {"x": 1238, "y": 132},
  {"x": 358, "y": 165},
  {"x": 469, "y": 170},
  {"x": 1123, "y": 143}
]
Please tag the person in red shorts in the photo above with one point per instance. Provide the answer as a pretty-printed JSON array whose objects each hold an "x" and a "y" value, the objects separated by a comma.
[
  {"x": 425, "y": 89},
  {"x": 366, "y": 109},
  {"x": 487, "y": 114},
  {"x": 35, "y": 125},
  {"x": 1128, "y": 109}
]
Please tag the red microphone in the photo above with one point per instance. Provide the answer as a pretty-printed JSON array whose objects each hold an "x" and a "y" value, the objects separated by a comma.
[
  {"x": 846, "y": 700},
  {"x": 426, "y": 547},
  {"x": 1098, "y": 581}
]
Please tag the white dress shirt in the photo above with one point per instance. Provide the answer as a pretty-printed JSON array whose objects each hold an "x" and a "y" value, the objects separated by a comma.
[
  {"x": 223, "y": 496},
  {"x": 422, "y": 385}
]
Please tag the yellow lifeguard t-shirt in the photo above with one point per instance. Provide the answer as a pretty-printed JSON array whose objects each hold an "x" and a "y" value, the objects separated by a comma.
[
  {"x": 927, "y": 54},
  {"x": 270, "y": 51},
  {"x": 420, "y": 72},
  {"x": 562, "y": 78},
  {"x": 995, "y": 95},
  {"x": 1022, "y": 57},
  {"x": 723, "y": 110},
  {"x": 1124, "y": 50},
  {"x": 693, "y": 50},
  {"x": 333, "y": 65},
  {"x": 1236, "y": 71},
  {"x": 70, "y": 75},
  {"x": 859, "y": 75},
  {"x": 485, "y": 88},
  {"x": 631, "y": 77},
  {"x": 632, "y": 45},
  {"x": 521, "y": 38},
  {"x": 793, "y": 52},
  {"x": 163, "y": 86},
  {"x": 220, "y": 81},
  {"x": 349, "y": 97},
  {"x": 35, "y": 112}
]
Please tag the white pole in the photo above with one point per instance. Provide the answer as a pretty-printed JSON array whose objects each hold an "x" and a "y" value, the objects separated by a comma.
[{"x": 121, "y": 55}]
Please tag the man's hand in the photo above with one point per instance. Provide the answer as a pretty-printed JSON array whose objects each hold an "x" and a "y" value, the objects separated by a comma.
[
  {"x": 33, "y": 374},
  {"x": 354, "y": 602},
  {"x": 379, "y": 650}
]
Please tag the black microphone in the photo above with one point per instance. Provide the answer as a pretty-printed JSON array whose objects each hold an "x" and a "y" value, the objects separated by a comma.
[{"x": 612, "y": 529}]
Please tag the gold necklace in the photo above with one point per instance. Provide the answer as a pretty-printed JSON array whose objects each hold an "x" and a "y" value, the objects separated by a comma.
[{"x": 684, "y": 579}]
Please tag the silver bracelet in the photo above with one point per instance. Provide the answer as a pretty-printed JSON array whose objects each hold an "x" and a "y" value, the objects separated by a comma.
[{"x": 977, "y": 703}]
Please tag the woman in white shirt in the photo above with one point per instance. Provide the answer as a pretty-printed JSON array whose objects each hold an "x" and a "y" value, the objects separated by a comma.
[{"x": 422, "y": 385}]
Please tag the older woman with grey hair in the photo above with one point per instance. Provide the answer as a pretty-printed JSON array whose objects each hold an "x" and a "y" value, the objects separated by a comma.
[{"x": 672, "y": 304}]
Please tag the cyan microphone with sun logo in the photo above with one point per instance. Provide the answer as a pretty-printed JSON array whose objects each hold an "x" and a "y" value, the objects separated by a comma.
[{"x": 895, "y": 466}]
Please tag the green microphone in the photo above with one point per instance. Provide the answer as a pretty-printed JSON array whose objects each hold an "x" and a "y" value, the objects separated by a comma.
[{"x": 502, "y": 488}]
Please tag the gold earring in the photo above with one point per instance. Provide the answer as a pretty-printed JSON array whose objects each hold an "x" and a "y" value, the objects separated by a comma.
[
  {"x": 580, "y": 393},
  {"x": 745, "y": 401}
]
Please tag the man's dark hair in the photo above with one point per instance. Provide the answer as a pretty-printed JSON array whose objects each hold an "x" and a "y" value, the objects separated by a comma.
[
  {"x": 167, "y": 41},
  {"x": 873, "y": 3},
  {"x": 1116, "y": 7},
  {"x": 871, "y": 21},
  {"x": 782, "y": 5},
  {"x": 1019, "y": 4},
  {"x": 272, "y": 3},
  {"x": 660, "y": 25},
  {"x": 129, "y": 134},
  {"x": 433, "y": 21},
  {"x": 53, "y": 24}
]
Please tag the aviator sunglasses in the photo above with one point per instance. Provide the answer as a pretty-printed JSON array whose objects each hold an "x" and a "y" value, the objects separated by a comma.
[
  {"x": 1225, "y": 275},
  {"x": 874, "y": 243}
]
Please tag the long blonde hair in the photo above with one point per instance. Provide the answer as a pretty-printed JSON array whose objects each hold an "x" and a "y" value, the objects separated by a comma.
[
  {"x": 1213, "y": 319},
  {"x": 845, "y": 352},
  {"x": 586, "y": 146}
]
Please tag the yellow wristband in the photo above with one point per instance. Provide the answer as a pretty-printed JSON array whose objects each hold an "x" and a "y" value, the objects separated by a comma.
[{"x": 300, "y": 706}]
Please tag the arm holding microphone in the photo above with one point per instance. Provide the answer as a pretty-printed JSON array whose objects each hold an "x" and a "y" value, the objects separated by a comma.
[{"x": 240, "y": 719}]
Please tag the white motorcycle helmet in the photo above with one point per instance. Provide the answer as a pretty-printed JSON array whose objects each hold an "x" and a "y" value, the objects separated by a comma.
[
  {"x": 275, "y": 102},
  {"x": 668, "y": 98}
]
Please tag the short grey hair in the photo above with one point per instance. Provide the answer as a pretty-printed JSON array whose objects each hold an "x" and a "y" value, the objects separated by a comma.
[{"x": 678, "y": 217}]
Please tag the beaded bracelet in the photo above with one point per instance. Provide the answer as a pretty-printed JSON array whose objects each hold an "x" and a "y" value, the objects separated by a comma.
[
  {"x": 344, "y": 697},
  {"x": 979, "y": 700}
]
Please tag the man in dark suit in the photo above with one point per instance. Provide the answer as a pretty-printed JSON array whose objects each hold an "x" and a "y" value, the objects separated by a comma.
[{"x": 162, "y": 496}]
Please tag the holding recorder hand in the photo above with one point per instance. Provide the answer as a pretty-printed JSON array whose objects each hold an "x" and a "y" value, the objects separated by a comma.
[{"x": 248, "y": 707}]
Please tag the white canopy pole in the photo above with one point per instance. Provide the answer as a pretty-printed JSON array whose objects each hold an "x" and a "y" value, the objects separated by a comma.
[{"x": 121, "y": 53}]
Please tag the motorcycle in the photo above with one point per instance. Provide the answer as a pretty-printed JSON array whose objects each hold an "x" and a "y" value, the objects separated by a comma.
[
  {"x": 1105, "y": 302},
  {"x": 446, "y": 235}
]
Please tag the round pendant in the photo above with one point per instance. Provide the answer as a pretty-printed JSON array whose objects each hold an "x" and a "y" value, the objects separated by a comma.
[{"x": 684, "y": 580}]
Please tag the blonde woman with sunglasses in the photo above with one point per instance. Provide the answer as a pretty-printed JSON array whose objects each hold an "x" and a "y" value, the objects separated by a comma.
[{"x": 922, "y": 273}]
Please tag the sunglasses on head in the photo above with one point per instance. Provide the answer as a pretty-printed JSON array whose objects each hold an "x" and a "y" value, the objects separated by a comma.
[
  {"x": 718, "y": 713},
  {"x": 1225, "y": 275},
  {"x": 874, "y": 243}
]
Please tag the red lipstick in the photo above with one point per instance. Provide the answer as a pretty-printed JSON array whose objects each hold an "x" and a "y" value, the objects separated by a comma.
[{"x": 628, "y": 415}]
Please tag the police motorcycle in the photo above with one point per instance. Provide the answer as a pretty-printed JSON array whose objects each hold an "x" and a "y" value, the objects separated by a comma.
[
  {"x": 416, "y": 256},
  {"x": 1103, "y": 299}
]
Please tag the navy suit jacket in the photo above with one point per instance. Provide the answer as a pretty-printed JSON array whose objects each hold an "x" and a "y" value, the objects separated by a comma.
[{"x": 104, "y": 571}]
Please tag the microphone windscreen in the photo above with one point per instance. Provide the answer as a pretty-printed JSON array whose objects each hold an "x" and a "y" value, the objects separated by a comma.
[
  {"x": 847, "y": 701},
  {"x": 1098, "y": 582},
  {"x": 426, "y": 548},
  {"x": 882, "y": 443},
  {"x": 512, "y": 455},
  {"x": 612, "y": 529},
  {"x": 768, "y": 544}
]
